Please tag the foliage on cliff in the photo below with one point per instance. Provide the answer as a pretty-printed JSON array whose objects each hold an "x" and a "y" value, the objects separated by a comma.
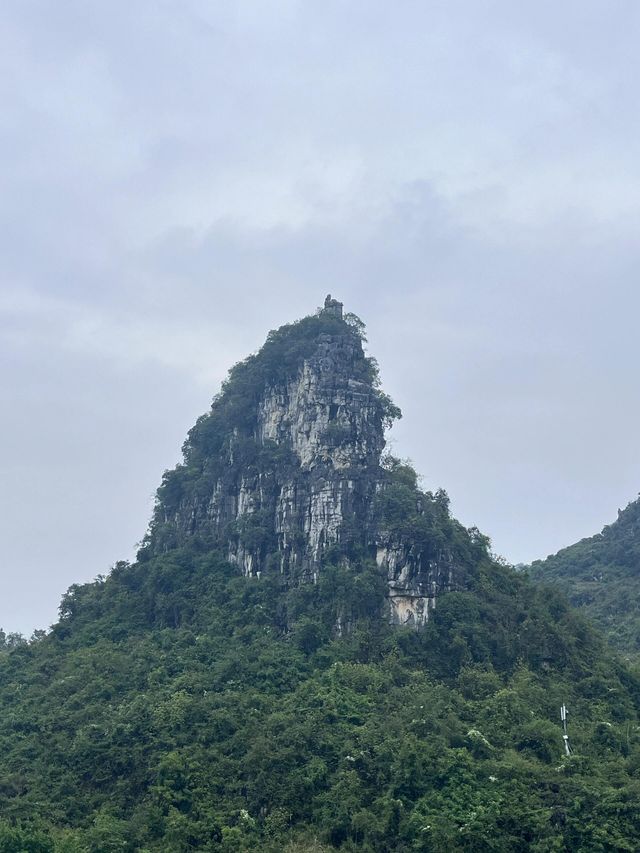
[{"x": 601, "y": 575}]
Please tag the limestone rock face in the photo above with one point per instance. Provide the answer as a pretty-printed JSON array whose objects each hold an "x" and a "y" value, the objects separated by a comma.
[
  {"x": 290, "y": 468},
  {"x": 414, "y": 579},
  {"x": 322, "y": 413},
  {"x": 333, "y": 424}
]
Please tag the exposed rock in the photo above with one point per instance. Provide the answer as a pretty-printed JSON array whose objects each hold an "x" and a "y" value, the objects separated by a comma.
[
  {"x": 297, "y": 474},
  {"x": 414, "y": 580}
]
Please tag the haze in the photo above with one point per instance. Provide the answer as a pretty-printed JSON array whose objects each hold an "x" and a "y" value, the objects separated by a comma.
[{"x": 179, "y": 178}]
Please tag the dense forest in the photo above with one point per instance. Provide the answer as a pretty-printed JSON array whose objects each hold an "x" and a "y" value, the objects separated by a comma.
[
  {"x": 182, "y": 704},
  {"x": 601, "y": 576}
]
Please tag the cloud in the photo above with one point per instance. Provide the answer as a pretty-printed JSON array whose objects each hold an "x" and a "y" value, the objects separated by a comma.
[{"x": 177, "y": 179}]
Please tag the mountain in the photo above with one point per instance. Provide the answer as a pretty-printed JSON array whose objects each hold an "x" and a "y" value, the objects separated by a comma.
[
  {"x": 309, "y": 653},
  {"x": 601, "y": 575},
  {"x": 285, "y": 471}
]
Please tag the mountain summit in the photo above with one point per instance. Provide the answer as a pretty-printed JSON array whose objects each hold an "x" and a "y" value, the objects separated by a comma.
[
  {"x": 286, "y": 469},
  {"x": 287, "y": 460}
]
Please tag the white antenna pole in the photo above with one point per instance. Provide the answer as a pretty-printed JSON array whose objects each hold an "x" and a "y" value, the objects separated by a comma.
[{"x": 565, "y": 736}]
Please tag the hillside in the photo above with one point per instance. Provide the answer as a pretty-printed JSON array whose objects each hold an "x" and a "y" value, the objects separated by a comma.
[
  {"x": 311, "y": 654},
  {"x": 601, "y": 576}
]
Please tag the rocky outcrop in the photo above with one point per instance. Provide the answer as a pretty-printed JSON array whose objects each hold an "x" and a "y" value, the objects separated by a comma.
[
  {"x": 414, "y": 580},
  {"x": 286, "y": 467}
]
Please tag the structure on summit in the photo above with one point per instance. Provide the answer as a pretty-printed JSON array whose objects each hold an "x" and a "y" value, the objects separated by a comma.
[
  {"x": 285, "y": 470},
  {"x": 332, "y": 307}
]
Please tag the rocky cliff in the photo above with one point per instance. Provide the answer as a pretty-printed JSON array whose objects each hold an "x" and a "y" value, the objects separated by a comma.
[{"x": 285, "y": 470}]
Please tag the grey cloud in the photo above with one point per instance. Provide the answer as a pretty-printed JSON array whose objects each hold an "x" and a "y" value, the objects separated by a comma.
[{"x": 178, "y": 178}]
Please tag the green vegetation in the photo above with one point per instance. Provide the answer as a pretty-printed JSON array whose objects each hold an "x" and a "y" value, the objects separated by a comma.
[
  {"x": 601, "y": 575},
  {"x": 178, "y": 706},
  {"x": 422, "y": 519}
]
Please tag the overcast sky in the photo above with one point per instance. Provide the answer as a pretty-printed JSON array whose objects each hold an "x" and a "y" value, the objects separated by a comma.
[{"x": 177, "y": 177}]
